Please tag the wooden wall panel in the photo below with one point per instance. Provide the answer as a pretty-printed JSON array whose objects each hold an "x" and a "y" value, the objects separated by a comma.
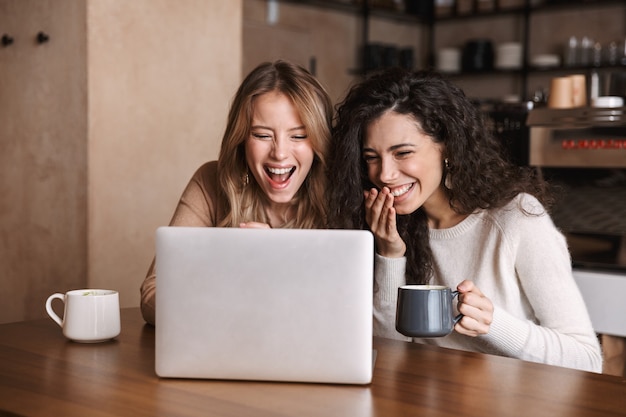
[
  {"x": 100, "y": 129},
  {"x": 43, "y": 176}
]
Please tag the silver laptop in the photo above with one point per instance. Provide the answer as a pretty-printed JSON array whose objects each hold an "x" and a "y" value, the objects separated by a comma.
[{"x": 264, "y": 304}]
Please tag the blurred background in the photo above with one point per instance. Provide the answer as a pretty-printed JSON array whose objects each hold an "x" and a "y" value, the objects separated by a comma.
[{"x": 107, "y": 107}]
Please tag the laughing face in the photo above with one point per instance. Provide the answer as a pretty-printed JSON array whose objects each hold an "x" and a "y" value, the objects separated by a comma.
[
  {"x": 278, "y": 151},
  {"x": 401, "y": 157}
]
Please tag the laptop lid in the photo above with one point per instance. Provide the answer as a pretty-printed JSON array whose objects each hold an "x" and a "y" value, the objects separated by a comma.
[{"x": 264, "y": 304}]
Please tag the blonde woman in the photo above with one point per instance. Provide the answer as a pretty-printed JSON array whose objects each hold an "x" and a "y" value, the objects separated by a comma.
[{"x": 271, "y": 170}]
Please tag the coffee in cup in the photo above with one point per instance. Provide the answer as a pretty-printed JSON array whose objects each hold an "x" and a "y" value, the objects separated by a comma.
[
  {"x": 426, "y": 310},
  {"x": 90, "y": 315}
]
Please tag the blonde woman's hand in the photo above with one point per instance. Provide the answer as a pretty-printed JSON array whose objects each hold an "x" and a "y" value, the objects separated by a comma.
[
  {"x": 476, "y": 308},
  {"x": 254, "y": 225},
  {"x": 381, "y": 218}
]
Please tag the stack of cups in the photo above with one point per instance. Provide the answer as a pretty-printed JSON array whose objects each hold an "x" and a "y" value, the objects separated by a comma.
[
  {"x": 509, "y": 55},
  {"x": 568, "y": 92},
  {"x": 449, "y": 60}
]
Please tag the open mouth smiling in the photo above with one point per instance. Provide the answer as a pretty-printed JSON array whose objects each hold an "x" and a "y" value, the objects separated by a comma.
[
  {"x": 279, "y": 175},
  {"x": 397, "y": 192}
]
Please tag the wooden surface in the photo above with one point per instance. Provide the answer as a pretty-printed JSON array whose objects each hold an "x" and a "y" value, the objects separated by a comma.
[{"x": 43, "y": 374}]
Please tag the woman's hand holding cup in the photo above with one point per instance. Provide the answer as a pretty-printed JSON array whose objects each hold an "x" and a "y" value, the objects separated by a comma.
[{"x": 476, "y": 308}]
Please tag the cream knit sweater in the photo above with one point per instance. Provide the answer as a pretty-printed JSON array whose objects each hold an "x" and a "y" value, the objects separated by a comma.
[{"x": 522, "y": 264}]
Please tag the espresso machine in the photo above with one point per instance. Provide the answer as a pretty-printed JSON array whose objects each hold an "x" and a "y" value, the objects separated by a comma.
[{"x": 582, "y": 153}]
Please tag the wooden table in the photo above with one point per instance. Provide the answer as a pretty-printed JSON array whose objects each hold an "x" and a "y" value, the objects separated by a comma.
[{"x": 42, "y": 374}]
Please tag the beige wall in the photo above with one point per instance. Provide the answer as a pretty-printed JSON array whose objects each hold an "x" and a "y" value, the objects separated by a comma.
[
  {"x": 43, "y": 165},
  {"x": 161, "y": 77},
  {"x": 100, "y": 129},
  {"x": 300, "y": 34}
]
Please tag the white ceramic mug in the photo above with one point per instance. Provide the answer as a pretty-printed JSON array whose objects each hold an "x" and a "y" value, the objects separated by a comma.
[{"x": 90, "y": 315}]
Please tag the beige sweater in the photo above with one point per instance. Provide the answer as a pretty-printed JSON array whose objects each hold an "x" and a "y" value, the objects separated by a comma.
[
  {"x": 522, "y": 264},
  {"x": 197, "y": 207}
]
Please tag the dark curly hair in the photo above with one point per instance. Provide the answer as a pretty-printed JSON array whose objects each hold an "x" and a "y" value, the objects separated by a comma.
[{"x": 480, "y": 176}]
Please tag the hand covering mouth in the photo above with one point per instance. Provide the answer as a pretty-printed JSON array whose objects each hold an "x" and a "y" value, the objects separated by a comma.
[{"x": 279, "y": 175}]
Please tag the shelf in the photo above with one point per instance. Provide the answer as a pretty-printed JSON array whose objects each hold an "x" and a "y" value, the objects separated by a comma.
[
  {"x": 570, "y": 5},
  {"x": 561, "y": 69},
  {"x": 492, "y": 72},
  {"x": 535, "y": 70},
  {"x": 328, "y": 4},
  {"x": 480, "y": 15},
  {"x": 359, "y": 9},
  {"x": 389, "y": 13},
  {"x": 397, "y": 15},
  {"x": 519, "y": 10},
  {"x": 524, "y": 10}
]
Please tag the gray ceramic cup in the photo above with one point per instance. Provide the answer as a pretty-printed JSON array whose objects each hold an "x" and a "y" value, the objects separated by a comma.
[{"x": 425, "y": 310}]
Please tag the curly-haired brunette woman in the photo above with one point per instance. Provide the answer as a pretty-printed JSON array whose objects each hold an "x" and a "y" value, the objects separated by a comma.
[
  {"x": 271, "y": 169},
  {"x": 412, "y": 160}
]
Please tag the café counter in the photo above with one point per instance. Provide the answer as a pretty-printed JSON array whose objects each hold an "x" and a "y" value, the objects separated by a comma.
[{"x": 43, "y": 374}]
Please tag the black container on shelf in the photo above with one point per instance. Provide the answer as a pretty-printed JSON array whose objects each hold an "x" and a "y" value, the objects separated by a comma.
[
  {"x": 422, "y": 8},
  {"x": 390, "y": 56},
  {"x": 378, "y": 56},
  {"x": 477, "y": 55},
  {"x": 373, "y": 57},
  {"x": 406, "y": 58},
  {"x": 617, "y": 83}
]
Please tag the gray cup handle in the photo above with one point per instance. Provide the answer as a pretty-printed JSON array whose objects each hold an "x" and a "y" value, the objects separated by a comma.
[{"x": 460, "y": 316}]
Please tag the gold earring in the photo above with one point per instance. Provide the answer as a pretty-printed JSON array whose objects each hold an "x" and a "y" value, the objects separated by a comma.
[
  {"x": 447, "y": 182},
  {"x": 245, "y": 179}
]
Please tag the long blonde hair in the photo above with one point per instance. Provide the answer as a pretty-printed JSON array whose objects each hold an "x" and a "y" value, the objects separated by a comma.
[{"x": 243, "y": 200}]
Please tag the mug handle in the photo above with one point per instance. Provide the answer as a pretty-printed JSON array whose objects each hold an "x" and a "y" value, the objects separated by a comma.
[
  {"x": 49, "y": 309},
  {"x": 460, "y": 316}
]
